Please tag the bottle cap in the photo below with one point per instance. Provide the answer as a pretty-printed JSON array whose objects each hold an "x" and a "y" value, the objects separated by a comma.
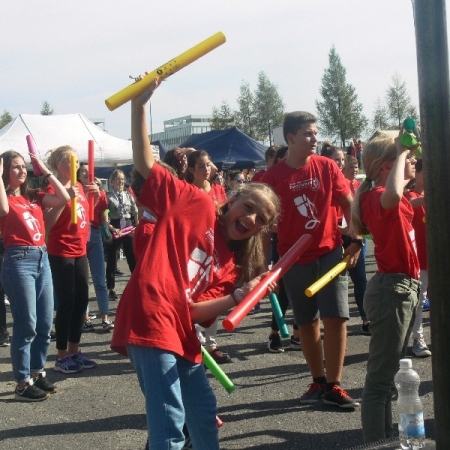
[
  {"x": 405, "y": 364},
  {"x": 409, "y": 124}
]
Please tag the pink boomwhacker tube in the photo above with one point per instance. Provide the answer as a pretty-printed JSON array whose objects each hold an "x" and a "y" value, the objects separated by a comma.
[
  {"x": 33, "y": 151},
  {"x": 259, "y": 291},
  {"x": 91, "y": 177}
]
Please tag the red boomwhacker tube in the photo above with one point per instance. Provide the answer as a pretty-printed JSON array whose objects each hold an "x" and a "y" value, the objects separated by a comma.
[
  {"x": 259, "y": 291},
  {"x": 91, "y": 177}
]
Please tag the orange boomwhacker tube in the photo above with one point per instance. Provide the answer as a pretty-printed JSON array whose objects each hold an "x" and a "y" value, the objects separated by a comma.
[
  {"x": 164, "y": 71},
  {"x": 259, "y": 291},
  {"x": 322, "y": 281},
  {"x": 73, "y": 182}
]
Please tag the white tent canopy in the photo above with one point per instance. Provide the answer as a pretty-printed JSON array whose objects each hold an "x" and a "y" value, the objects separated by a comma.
[{"x": 50, "y": 132}]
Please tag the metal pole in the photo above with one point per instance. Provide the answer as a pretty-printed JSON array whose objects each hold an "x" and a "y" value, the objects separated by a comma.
[{"x": 433, "y": 74}]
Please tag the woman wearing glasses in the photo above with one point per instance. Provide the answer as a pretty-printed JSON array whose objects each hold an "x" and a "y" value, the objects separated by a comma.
[{"x": 235, "y": 180}]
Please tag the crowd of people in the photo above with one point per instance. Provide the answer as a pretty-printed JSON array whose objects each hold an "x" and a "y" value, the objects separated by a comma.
[{"x": 196, "y": 241}]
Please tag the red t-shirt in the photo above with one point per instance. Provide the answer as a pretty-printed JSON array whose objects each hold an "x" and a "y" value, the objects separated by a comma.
[
  {"x": 354, "y": 185},
  {"x": 420, "y": 229},
  {"x": 100, "y": 207},
  {"x": 257, "y": 178},
  {"x": 218, "y": 194},
  {"x": 66, "y": 239},
  {"x": 141, "y": 236},
  {"x": 392, "y": 233},
  {"x": 24, "y": 223},
  {"x": 307, "y": 195},
  {"x": 185, "y": 253}
]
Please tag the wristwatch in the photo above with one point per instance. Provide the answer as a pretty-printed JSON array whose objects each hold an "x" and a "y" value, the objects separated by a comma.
[
  {"x": 360, "y": 242},
  {"x": 238, "y": 295}
]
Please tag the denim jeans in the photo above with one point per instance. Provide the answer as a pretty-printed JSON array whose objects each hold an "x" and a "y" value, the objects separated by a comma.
[
  {"x": 417, "y": 329},
  {"x": 176, "y": 390},
  {"x": 96, "y": 259},
  {"x": 390, "y": 303},
  {"x": 27, "y": 281}
]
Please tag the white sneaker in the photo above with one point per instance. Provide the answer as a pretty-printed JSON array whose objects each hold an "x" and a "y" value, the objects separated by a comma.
[
  {"x": 107, "y": 325},
  {"x": 6, "y": 302},
  {"x": 420, "y": 348}
]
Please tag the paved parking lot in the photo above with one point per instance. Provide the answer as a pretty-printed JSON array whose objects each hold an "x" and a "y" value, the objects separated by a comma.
[{"x": 103, "y": 408}]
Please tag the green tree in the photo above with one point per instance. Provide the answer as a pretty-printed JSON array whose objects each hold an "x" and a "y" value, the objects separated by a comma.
[
  {"x": 5, "y": 118},
  {"x": 398, "y": 103},
  {"x": 269, "y": 108},
  {"x": 380, "y": 119},
  {"x": 245, "y": 116},
  {"x": 340, "y": 114},
  {"x": 223, "y": 117},
  {"x": 46, "y": 110}
]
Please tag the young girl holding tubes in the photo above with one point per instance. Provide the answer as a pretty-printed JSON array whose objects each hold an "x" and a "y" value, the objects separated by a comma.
[
  {"x": 391, "y": 297},
  {"x": 67, "y": 244},
  {"x": 193, "y": 248},
  {"x": 26, "y": 276}
]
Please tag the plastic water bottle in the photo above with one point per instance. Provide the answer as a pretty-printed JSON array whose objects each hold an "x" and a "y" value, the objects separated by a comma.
[{"x": 410, "y": 412}]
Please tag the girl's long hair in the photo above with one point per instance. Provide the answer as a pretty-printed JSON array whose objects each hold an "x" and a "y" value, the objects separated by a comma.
[
  {"x": 25, "y": 190},
  {"x": 378, "y": 150},
  {"x": 192, "y": 161},
  {"x": 249, "y": 253}
]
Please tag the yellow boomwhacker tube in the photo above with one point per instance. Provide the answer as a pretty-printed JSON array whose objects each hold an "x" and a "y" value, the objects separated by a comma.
[
  {"x": 164, "y": 71},
  {"x": 333, "y": 273},
  {"x": 73, "y": 182}
]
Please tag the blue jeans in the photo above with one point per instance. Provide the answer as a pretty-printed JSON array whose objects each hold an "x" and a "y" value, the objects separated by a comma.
[
  {"x": 96, "y": 259},
  {"x": 176, "y": 390},
  {"x": 390, "y": 302},
  {"x": 27, "y": 281}
]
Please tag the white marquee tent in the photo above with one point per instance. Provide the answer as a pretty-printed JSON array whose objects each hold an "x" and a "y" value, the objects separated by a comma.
[{"x": 50, "y": 132}]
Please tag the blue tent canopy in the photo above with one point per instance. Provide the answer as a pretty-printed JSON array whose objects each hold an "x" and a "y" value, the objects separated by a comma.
[{"x": 226, "y": 147}]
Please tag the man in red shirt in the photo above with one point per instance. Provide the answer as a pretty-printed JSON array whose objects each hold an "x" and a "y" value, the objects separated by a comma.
[{"x": 308, "y": 185}]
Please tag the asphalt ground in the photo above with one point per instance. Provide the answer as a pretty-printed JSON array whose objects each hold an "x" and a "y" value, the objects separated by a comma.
[{"x": 103, "y": 408}]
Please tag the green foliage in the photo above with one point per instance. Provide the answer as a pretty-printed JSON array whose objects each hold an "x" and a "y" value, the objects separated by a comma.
[
  {"x": 257, "y": 112},
  {"x": 269, "y": 108},
  {"x": 340, "y": 114},
  {"x": 380, "y": 119},
  {"x": 223, "y": 117},
  {"x": 5, "y": 118},
  {"x": 398, "y": 103},
  {"x": 246, "y": 115},
  {"x": 46, "y": 110}
]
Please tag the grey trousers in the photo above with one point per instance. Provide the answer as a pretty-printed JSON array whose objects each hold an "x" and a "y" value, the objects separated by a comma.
[{"x": 390, "y": 303}]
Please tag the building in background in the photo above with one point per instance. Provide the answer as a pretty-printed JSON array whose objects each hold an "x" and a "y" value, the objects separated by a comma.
[{"x": 178, "y": 130}]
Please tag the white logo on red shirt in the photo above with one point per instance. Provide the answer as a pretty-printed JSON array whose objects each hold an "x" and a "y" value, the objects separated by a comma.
[
  {"x": 81, "y": 213},
  {"x": 312, "y": 183},
  {"x": 307, "y": 209},
  {"x": 33, "y": 224},
  {"x": 199, "y": 268}
]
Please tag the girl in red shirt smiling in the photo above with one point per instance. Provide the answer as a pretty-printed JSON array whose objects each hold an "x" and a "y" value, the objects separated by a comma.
[
  {"x": 26, "y": 276},
  {"x": 192, "y": 250}
]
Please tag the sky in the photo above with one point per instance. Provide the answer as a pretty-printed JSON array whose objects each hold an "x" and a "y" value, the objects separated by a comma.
[{"x": 76, "y": 54}]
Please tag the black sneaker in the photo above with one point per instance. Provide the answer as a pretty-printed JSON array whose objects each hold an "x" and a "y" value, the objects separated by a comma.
[
  {"x": 42, "y": 383},
  {"x": 295, "y": 343},
  {"x": 4, "y": 340},
  {"x": 365, "y": 329},
  {"x": 313, "y": 394},
  {"x": 274, "y": 345},
  {"x": 88, "y": 326},
  {"x": 52, "y": 335},
  {"x": 112, "y": 295},
  {"x": 119, "y": 273},
  {"x": 339, "y": 397},
  {"x": 30, "y": 393}
]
